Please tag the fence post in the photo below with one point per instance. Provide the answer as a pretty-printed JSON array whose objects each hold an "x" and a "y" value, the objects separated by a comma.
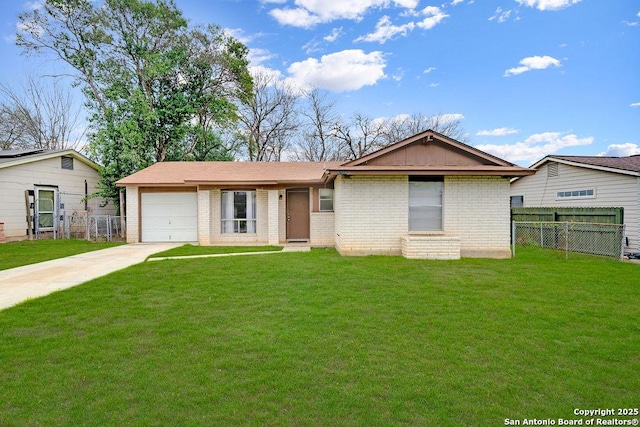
[
  {"x": 541, "y": 236},
  {"x": 513, "y": 238},
  {"x": 566, "y": 240},
  {"x": 622, "y": 243}
]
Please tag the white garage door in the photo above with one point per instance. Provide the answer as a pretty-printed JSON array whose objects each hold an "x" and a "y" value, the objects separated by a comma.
[{"x": 169, "y": 217}]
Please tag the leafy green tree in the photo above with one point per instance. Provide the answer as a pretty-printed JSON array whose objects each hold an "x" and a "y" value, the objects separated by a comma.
[{"x": 157, "y": 89}]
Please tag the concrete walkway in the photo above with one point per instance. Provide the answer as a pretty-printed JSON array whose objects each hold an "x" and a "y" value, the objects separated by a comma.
[{"x": 36, "y": 280}]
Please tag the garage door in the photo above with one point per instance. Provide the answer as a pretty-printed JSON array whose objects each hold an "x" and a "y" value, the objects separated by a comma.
[{"x": 169, "y": 217}]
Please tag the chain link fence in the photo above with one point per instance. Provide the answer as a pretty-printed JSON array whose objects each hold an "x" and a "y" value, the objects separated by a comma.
[
  {"x": 571, "y": 237},
  {"x": 94, "y": 227}
]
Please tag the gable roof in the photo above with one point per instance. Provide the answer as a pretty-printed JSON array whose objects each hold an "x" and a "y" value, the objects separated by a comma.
[
  {"x": 624, "y": 165},
  {"x": 228, "y": 173},
  {"x": 430, "y": 153},
  {"x": 9, "y": 158}
]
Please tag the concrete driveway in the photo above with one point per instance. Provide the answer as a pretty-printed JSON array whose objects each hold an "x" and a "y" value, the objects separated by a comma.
[{"x": 36, "y": 280}]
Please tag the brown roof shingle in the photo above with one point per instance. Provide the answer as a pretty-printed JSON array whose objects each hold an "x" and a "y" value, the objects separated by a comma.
[
  {"x": 228, "y": 173},
  {"x": 631, "y": 163}
]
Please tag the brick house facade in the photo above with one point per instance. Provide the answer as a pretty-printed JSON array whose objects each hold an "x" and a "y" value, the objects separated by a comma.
[{"x": 428, "y": 196}]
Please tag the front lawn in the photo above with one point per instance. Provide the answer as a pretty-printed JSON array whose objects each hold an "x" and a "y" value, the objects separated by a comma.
[
  {"x": 191, "y": 250},
  {"x": 318, "y": 339},
  {"x": 16, "y": 254}
]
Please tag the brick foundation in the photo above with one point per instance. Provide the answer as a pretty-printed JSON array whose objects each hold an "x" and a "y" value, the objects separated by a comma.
[{"x": 429, "y": 246}]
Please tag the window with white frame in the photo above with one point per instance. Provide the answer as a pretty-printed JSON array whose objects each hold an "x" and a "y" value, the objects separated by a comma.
[
  {"x": 326, "y": 199},
  {"x": 425, "y": 203},
  {"x": 576, "y": 194},
  {"x": 238, "y": 211}
]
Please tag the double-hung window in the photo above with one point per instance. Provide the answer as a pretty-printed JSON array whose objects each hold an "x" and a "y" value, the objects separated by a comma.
[
  {"x": 238, "y": 211},
  {"x": 326, "y": 199},
  {"x": 425, "y": 203}
]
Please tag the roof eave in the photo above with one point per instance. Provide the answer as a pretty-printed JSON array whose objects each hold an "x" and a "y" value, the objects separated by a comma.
[
  {"x": 46, "y": 156},
  {"x": 502, "y": 171},
  {"x": 547, "y": 159}
]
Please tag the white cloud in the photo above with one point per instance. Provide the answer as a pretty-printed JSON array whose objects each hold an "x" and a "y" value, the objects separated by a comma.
[
  {"x": 433, "y": 17},
  {"x": 548, "y": 4},
  {"x": 500, "y": 15},
  {"x": 434, "y": 84},
  {"x": 336, "y": 33},
  {"x": 535, "y": 147},
  {"x": 630, "y": 24},
  {"x": 497, "y": 132},
  {"x": 455, "y": 2},
  {"x": 308, "y": 13},
  {"x": 258, "y": 56},
  {"x": 449, "y": 117},
  {"x": 386, "y": 30},
  {"x": 339, "y": 72},
  {"x": 621, "y": 150},
  {"x": 428, "y": 70},
  {"x": 295, "y": 17},
  {"x": 635, "y": 104},
  {"x": 533, "y": 63}
]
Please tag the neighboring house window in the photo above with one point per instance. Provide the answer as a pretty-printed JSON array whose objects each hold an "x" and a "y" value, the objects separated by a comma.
[
  {"x": 67, "y": 162},
  {"x": 425, "y": 203},
  {"x": 576, "y": 194},
  {"x": 552, "y": 169},
  {"x": 238, "y": 211},
  {"x": 517, "y": 201},
  {"x": 326, "y": 199}
]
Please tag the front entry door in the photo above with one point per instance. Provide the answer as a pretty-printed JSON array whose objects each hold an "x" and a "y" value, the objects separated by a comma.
[{"x": 298, "y": 214}]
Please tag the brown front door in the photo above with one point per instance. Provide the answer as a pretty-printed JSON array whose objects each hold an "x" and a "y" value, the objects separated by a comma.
[{"x": 298, "y": 214}]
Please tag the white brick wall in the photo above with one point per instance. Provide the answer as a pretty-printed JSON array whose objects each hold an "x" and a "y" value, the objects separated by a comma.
[
  {"x": 133, "y": 211},
  {"x": 371, "y": 213},
  {"x": 273, "y": 219},
  {"x": 322, "y": 230},
  {"x": 477, "y": 209},
  {"x": 430, "y": 247},
  {"x": 204, "y": 217}
]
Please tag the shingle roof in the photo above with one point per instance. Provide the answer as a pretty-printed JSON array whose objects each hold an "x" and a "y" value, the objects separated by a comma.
[
  {"x": 631, "y": 163},
  {"x": 227, "y": 173}
]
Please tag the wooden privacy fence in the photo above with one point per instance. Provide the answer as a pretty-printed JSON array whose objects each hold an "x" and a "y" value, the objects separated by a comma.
[{"x": 555, "y": 214}]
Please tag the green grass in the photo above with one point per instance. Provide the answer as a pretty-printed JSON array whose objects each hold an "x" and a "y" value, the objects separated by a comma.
[
  {"x": 16, "y": 254},
  {"x": 188, "y": 250},
  {"x": 318, "y": 339}
]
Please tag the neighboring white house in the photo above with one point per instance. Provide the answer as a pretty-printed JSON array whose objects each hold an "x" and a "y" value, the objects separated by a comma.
[
  {"x": 41, "y": 186},
  {"x": 585, "y": 181},
  {"x": 427, "y": 196}
]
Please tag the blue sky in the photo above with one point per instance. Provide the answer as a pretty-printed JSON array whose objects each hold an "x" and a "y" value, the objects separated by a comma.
[{"x": 526, "y": 77}]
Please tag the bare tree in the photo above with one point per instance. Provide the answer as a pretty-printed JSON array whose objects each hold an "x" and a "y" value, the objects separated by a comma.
[
  {"x": 37, "y": 116},
  {"x": 400, "y": 127},
  {"x": 269, "y": 119},
  {"x": 318, "y": 141},
  {"x": 361, "y": 136}
]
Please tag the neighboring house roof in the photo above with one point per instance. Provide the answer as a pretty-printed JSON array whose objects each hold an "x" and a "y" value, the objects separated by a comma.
[
  {"x": 428, "y": 153},
  {"x": 623, "y": 165},
  {"x": 9, "y": 158}
]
